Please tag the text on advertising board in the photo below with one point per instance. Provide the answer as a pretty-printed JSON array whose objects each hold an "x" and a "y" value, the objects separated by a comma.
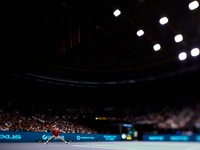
[{"x": 8, "y": 136}]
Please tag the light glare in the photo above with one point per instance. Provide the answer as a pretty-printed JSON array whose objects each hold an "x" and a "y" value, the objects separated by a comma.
[
  {"x": 182, "y": 56},
  {"x": 163, "y": 20},
  {"x": 156, "y": 47},
  {"x": 140, "y": 33},
  {"x": 117, "y": 12},
  {"x": 178, "y": 38},
  {"x": 193, "y": 5},
  {"x": 195, "y": 52}
]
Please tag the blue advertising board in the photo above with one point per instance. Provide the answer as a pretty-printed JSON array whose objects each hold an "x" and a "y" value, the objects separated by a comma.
[
  {"x": 13, "y": 136},
  {"x": 171, "y": 137}
]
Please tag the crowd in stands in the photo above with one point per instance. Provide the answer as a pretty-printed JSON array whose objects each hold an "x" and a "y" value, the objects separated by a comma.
[
  {"x": 40, "y": 123},
  {"x": 197, "y": 124},
  {"x": 165, "y": 118},
  {"x": 174, "y": 119},
  {"x": 40, "y": 117}
]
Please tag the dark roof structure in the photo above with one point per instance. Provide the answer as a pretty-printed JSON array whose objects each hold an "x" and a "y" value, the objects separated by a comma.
[{"x": 81, "y": 43}]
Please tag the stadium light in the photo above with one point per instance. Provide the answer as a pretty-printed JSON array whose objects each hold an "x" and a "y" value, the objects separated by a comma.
[
  {"x": 140, "y": 33},
  {"x": 163, "y": 20},
  {"x": 178, "y": 38},
  {"x": 182, "y": 56},
  {"x": 117, "y": 12},
  {"x": 193, "y": 5},
  {"x": 156, "y": 47},
  {"x": 195, "y": 52}
]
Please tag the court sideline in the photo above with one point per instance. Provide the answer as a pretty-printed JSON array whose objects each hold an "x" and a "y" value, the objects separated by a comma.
[{"x": 103, "y": 146}]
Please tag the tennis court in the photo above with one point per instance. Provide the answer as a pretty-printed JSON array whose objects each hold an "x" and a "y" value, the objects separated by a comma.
[{"x": 103, "y": 146}]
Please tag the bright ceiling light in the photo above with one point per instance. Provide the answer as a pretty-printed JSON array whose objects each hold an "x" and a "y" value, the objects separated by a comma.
[
  {"x": 195, "y": 52},
  {"x": 193, "y": 5},
  {"x": 140, "y": 33},
  {"x": 156, "y": 47},
  {"x": 178, "y": 38},
  {"x": 117, "y": 12},
  {"x": 163, "y": 20},
  {"x": 182, "y": 56}
]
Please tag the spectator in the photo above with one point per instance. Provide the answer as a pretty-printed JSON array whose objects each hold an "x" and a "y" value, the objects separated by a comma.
[{"x": 39, "y": 123}]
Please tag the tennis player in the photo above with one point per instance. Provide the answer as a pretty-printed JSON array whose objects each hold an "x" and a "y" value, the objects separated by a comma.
[{"x": 56, "y": 135}]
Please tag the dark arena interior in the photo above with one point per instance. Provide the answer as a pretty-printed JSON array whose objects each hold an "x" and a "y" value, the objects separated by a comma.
[{"x": 111, "y": 74}]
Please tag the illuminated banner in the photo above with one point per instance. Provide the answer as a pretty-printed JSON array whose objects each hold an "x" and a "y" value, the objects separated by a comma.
[
  {"x": 171, "y": 137},
  {"x": 12, "y": 136}
]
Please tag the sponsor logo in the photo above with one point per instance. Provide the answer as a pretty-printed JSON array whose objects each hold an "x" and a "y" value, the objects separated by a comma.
[
  {"x": 112, "y": 137},
  {"x": 179, "y": 138},
  {"x": 198, "y": 138},
  {"x": 47, "y": 137},
  {"x": 11, "y": 137},
  {"x": 156, "y": 138},
  {"x": 123, "y": 136},
  {"x": 78, "y": 137}
]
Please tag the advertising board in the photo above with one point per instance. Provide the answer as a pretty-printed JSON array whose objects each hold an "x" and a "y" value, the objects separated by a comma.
[
  {"x": 171, "y": 137},
  {"x": 13, "y": 136}
]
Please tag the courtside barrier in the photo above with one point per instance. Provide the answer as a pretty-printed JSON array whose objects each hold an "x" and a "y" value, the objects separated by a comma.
[
  {"x": 171, "y": 137},
  {"x": 16, "y": 136}
]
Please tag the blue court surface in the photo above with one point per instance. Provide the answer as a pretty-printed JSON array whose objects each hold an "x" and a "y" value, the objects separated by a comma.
[{"x": 103, "y": 146}]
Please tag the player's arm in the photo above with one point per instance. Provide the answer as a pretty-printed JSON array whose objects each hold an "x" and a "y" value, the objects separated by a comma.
[{"x": 62, "y": 131}]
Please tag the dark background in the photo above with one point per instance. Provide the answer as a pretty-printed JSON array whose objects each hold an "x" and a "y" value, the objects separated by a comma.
[{"x": 111, "y": 65}]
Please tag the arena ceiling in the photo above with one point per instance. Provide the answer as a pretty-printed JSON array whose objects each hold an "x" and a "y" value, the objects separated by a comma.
[{"x": 108, "y": 48}]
